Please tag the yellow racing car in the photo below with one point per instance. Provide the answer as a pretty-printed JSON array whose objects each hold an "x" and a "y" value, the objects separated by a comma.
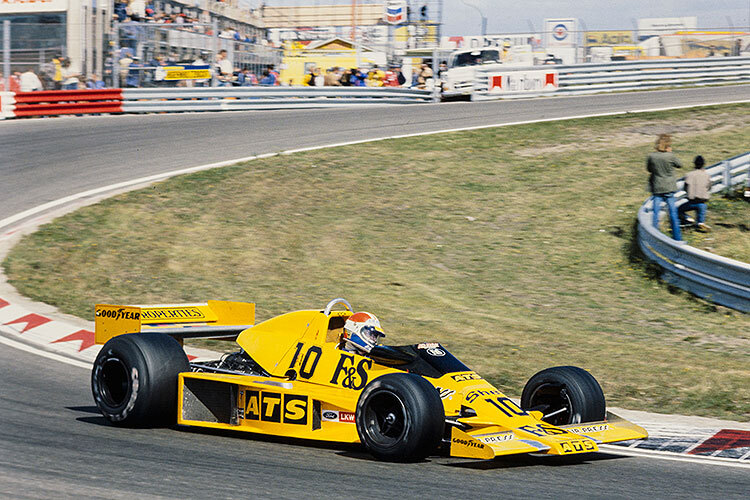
[{"x": 323, "y": 375}]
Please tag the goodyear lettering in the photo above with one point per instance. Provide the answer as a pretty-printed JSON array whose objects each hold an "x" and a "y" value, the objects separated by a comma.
[
  {"x": 466, "y": 442},
  {"x": 463, "y": 377},
  {"x": 543, "y": 430},
  {"x": 173, "y": 313},
  {"x": 116, "y": 314},
  {"x": 577, "y": 446},
  {"x": 275, "y": 407},
  {"x": 354, "y": 377},
  {"x": 473, "y": 395}
]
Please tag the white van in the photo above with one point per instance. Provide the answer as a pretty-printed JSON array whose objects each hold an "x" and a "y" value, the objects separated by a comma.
[{"x": 458, "y": 80}]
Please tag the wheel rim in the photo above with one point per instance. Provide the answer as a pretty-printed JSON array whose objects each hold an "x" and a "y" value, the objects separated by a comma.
[
  {"x": 385, "y": 419},
  {"x": 554, "y": 402},
  {"x": 114, "y": 382}
]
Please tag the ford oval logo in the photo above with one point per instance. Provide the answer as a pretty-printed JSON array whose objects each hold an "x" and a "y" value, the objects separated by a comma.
[{"x": 330, "y": 415}]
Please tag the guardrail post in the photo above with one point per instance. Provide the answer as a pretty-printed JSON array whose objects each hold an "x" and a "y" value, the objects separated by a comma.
[{"x": 727, "y": 176}]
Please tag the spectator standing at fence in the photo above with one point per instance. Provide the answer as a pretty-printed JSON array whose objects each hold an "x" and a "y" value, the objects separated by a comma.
[
  {"x": 70, "y": 75},
  {"x": 698, "y": 189},
  {"x": 57, "y": 72},
  {"x": 332, "y": 78},
  {"x": 94, "y": 82},
  {"x": 224, "y": 73},
  {"x": 346, "y": 78},
  {"x": 309, "y": 79},
  {"x": 133, "y": 78},
  {"x": 29, "y": 82},
  {"x": 661, "y": 164}
]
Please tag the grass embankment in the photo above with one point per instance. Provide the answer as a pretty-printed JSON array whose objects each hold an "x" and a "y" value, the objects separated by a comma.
[{"x": 512, "y": 246}]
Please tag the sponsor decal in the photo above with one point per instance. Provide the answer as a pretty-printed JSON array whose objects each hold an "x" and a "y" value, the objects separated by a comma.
[
  {"x": 116, "y": 314},
  {"x": 346, "y": 417},
  {"x": 495, "y": 437},
  {"x": 275, "y": 407},
  {"x": 578, "y": 446},
  {"x": 463, "y": 377},
  {"x": 542, "y": 430},
  {"x": 468, "y": 442},
  {"x": 445, "y": 393},
  {"x": 436, "y": 351},
  {"x": 172, "y": 313},
  {"x": 472, "y": 395},
  {"x": 589, "y": 428},
  {"x": 428, "y": 345},
  {"x": 351, "y": 374},
  {"x": 330, "y": 415}
]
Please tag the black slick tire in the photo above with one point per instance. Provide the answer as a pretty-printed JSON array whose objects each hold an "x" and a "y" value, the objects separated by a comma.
[
  {"x": 565, "y": 395},
  {"x": 400, "y": 418},
  {"x": 134, "y": 379}
]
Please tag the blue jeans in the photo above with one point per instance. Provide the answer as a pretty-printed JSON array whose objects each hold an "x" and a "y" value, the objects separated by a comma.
[
  {"x": 668, "y": 198},
  {"x": 698, "y": 206}
]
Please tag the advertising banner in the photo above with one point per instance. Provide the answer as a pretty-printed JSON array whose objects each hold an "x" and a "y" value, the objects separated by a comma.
[
  {"x": 395, "y": 12},
  {"x": 608, "y": 38},
  {"x": 532, "y": 81},
  {"x": 560, "y": 33},
  {"x": 183, "y": 73},
  {"x": 665, "y": 25},
  {"x": 27, "y": 6}
]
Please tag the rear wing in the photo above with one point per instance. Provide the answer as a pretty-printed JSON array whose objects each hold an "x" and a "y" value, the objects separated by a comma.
[{"x": 213, "y": 319}]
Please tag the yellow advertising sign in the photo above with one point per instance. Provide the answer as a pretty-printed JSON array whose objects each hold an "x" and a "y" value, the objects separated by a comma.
[
  {"x": 181, "y": 73},
  {"x": 607, "y": 38}
]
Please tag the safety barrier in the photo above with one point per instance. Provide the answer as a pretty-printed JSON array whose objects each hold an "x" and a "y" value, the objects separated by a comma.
[
  {"x": 497, "y": 81},
  {"x": 717, "y": 279},
  {"x": 67, "y": 102},
  {"x": 159, "y": 100},
  {"x": 7, "y": 105}
]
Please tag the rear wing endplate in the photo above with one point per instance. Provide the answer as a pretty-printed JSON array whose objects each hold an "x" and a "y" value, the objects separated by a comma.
[{"x": 213, "y": 319}]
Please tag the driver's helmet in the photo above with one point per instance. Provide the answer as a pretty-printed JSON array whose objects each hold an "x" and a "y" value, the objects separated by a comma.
[{"x": 362, "y": 332}]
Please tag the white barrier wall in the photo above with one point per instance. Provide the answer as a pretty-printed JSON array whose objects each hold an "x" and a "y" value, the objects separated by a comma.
[{"x": 7, "y": 105}]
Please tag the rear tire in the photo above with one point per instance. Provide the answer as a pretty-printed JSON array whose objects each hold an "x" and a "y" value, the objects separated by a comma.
[
  {"x": 565, "y": 395},
  {"x": 400, "y": 418},
  {"x": 134, "y": 379}
]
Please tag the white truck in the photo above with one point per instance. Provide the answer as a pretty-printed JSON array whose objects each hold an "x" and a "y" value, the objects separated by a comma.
[{"x": 458, "y": 79}]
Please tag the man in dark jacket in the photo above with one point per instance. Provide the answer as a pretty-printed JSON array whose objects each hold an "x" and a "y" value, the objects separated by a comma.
[{"x": 663, "y": 182}]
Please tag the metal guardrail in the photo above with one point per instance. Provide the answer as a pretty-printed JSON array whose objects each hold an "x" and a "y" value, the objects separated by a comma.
[
  {"x": 616, "y": 76},
  {"x": 183, "y": 99},
  {"x": 253, "y": 98},
  {"x": 717, "y": 279}
]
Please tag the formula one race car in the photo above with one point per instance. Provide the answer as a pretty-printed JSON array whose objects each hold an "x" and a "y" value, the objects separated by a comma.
[{"x": 293, "y": 377}]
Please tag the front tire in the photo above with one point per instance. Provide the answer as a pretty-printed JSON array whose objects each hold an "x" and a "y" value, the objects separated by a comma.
[
  {"x": 134, "y": 379},
  {"x": 400, "y": 418},
  {"x": 565, "y": 395}
]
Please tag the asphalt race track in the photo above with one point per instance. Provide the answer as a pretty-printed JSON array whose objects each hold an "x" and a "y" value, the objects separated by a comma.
[{"x": 53, "y": 442}]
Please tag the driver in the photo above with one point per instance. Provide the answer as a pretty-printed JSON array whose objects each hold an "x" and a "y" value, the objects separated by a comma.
[{"x": 362, "y": 332}]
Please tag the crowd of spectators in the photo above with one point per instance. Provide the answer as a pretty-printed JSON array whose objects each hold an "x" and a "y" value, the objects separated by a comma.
[{"x": 141, "y": 11}]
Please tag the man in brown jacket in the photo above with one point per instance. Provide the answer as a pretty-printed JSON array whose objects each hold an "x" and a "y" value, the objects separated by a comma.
[{"x": 698, "y": 189}]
